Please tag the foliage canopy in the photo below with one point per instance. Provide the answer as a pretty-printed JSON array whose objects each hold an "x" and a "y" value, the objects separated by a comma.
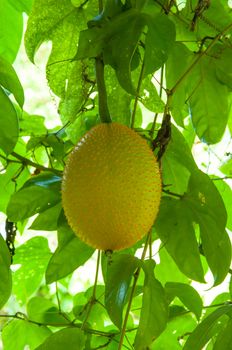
[{"x": 164, "y": 69}]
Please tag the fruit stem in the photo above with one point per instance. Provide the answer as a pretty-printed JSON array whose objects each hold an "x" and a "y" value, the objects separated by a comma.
[
  {"x": 92, "y": 300},
  {"x": 136, "y": 277},
  {"x": 102, "y": 94}
]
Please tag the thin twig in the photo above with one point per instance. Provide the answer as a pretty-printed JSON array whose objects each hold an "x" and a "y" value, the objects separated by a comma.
[
  {"x": 172, "y": 193},
  {"x": 22, "y": 317},
  {"x": 160, "y": 95},
  {"x": 221, "y": 178},
  {"x": 200, "y": 55},
  {"x": 137, "y": 95},
  {"x": 27, "y": 162},
  {"x": 92, "y": 300},
  {"x": 136, "y": 276}
]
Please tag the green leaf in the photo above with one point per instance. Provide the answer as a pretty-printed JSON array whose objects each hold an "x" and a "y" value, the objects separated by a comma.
[
  {"x": 224, "y": 70},
  {"x": 18, "y": 334},
  {"x": 177, "y": 63},
  {"x": 149, "y": 96},
  {"x": 204, "y": 331},
  {"x": 8, "y": 124},
  {"x": 224, "y": 338},
  {"x": 154, "y": 312},
  {"x": 187, "y": 294},
  {"x": 47, "y": 220},
  {"x": 33, "y": 257},
  {"x": 79, "y": 85},
  {"x": 44, "y": 18},
  {"x": 5, "y": 273},
  {"x": 127, "y": 39},
  {"x": 175, "y": 228},
  {"x": 220, "y": 299},
  {"x": 61, "y": 24},
  {"x": 22, "y": 5},
  {"x": 118, "y": 99},
  {"x": 81, "y": 125},
  {"x": 46, "y": 180},
  {"x": 208, "y": 99},
  {"x": 31, "y": 125},
  {"x": 37, "y": 195},
  {"x": 118, "y": 278},
  {"x": 176, "y": 330},
  {"x": 216, "y": 16},
  {"x": 226, "y": 193},
  {"x": 159, "y": 41},
  {"x": 11, "y": 29},
  {"x": 177, "y": 163},
  {"x": 42, "y": 310},
  {"x": 209, "y": 212},
  {"x": 95, "y": 36},
  {"x": 167, "y": 269},
  {"x": 98, "y": 316},
  {"x": 70, "y": 254},
  {"x": 226, "y": 167},
  {"x": 230, "y": 287},
  {"x": 68, "y": 338},
  {"x": 10, "y": 81}
]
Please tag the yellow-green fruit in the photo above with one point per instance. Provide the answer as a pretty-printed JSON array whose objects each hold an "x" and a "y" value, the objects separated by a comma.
[{"x": 111, "y": 187}]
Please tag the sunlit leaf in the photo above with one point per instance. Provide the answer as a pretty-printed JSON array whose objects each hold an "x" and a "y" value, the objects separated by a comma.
[
  {"x": 118, "y": 99},
  {"x": 175, "y": 228},
  {"x": 203, "y": 332},
  {"x": 187, "y": 294},
  {"x": 22, "y": 5},
  {"x": 209, "y": 212},
  {"x": 31, "y": 125},
  {"x": 38, "y": 194},
  {"x": 76, "y": 94},
  {"x": 47, "y": 220},
  {"x": 127, "y": 39},
  {"x": 9, "y": 128},
  {"x": 11, "y": 29},
  {"x": 5, "y": 272},
  {"x": 33, "y": 257},
  {"x": 53, "y": 21},
  {"x": 42, "y": 310},
  {"x": 18, "y": 334},
  {"x": 159, "y": 41},
  {"x": 177, "y": 163},
  {"x": 70, "y": 254},
  {"x": 224, "y": 70},
  {"x": 208, "y": 99},
  {"x": 167, "y": 270},
  {"x": 224, "y": 338},
  {"x": 176, "y": 331},
  {"x": 226, "y": 193},
  {"x": 177, "y": 63},
  {"x": 10, "y": 81},
  {"x": 68, "y": 338},
  {"x": 154, "y": 312},
  {"x": 226, "y": 167},
  {"x": 149, "y": 96}
]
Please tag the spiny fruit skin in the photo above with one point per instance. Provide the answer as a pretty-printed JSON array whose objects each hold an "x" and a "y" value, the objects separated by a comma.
[{"x": 111, "y": 187}]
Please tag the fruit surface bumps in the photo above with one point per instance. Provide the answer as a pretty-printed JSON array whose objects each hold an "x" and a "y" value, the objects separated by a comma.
[{"x": 111, "y": 187}]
